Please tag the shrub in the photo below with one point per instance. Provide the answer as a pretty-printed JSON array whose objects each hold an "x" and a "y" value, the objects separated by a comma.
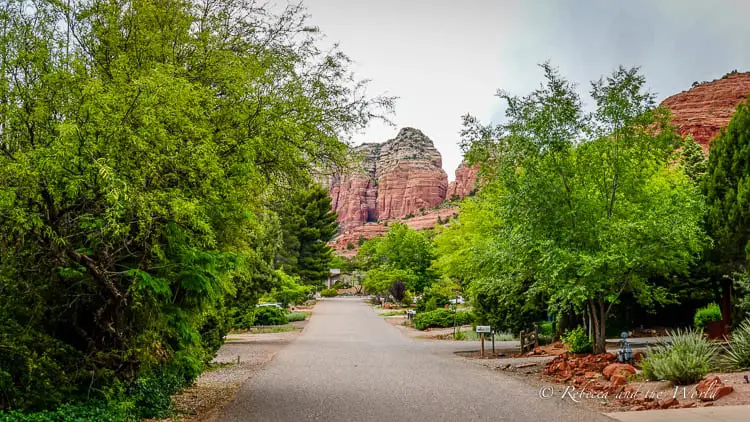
[
  {"x": 703, "y": 316},
  {"x": 398, "y": 290},
  {"x": 270, "y": 315},
  {"x": 95, "y": 411},
  {"x": 296, "y": 316},
  {"x": 441, "y": 318},
  {"x": 153, "y": 393},
  {"x": 737, "y": 356},
  {"x": 408, "y": 298},
  {"x": 329, "y": 293},
  {"x": 431, "y": 300},
  {"x": 684, "y": 359},
  {"x": 577, "y": 340}
]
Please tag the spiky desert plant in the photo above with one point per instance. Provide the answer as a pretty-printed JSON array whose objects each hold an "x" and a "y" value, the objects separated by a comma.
[
  {"x": 737, "y": 357},
  {"x": 684, "y": 358}
]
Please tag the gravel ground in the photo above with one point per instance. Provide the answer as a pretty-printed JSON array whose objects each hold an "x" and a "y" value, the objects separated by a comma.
[{"x": 215, "y": 388}]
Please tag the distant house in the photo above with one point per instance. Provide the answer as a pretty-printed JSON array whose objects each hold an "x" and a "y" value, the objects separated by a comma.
[{"x": 334, "y": 275}]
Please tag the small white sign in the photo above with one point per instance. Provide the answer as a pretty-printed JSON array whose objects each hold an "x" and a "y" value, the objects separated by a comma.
[{"x": 484, "y": 329}]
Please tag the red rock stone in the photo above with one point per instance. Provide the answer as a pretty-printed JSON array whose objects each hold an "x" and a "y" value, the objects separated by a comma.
[
  {"x": 671, "y": 402},
  {"x": 706, "y": 108},
  {"x": 465, "y": 182},
  {"x": 618, "y": 380},
  {"x": 712, "y": 388},
  {"x": 591, "y": 374},
  {"x": 618, "y": 369}
]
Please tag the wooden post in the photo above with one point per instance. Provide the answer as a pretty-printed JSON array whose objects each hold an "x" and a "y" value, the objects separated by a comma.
[
  {"x": 536, "y": 335},
  {"x": 522, "y": 338},
  {"x": 481, "y": 337},
  {"x": 493, "y": 343}
]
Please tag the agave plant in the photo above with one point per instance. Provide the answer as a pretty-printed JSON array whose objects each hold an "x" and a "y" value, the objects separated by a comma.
[
  {"x": 684, "y": 358},
  {"x": 737, "y": 356}
]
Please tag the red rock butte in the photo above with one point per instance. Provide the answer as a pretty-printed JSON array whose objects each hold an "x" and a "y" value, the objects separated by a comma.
[
  {"x": 705, "y": 109},
  {"x": 401, "y": 179}
]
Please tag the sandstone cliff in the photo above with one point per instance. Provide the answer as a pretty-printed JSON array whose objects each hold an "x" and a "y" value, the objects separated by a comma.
[
  {"x": 706, "y": 108},
  {"x": 390, "y": 180},
  {"x": 465, "y": 183}
]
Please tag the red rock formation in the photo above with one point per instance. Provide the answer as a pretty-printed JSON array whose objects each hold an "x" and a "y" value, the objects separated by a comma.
[
  {"x": 465, "y": 183},
  {"x": 341, "y": 243},
  {"x": 399, "y": 177},
  {"x": 706, "y": 108}
]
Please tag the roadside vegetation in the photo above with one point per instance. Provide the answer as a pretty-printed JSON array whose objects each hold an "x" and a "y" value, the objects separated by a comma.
[{"x": 155, "y": 183}]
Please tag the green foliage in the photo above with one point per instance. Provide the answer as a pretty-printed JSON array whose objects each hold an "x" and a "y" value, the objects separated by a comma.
[
  {"x": 95, "y": 411},
  {"x": 140, "y": 144},
  {"x": 586, "y": 206},
  {"x": 577, "y": 340},
  {"x": 706, "y": 314},
  {"x": 408, "y": 298},
  {"x": 431, "y": 300},
  {"x": 289, "y": 292},
  {"x": 308, "y": 223},
  {"x": 270, "y": 315},
  {"x": 379, "y": 280},
  {"x": 403, "y": 254},
  {"x": 727, "y": 188},
  {"x": 693, "y": 160},
  {"x": 329, "y": 293},
  {"x": 296, "y": 316},
  {"x": 441, "y": 318},
  {"x": 685, "y": 358},
  {"x": 737, "y": 357}
]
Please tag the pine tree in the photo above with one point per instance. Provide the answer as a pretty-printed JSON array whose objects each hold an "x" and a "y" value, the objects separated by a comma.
[
  {"x": 308, "y": 223},
  {"x": 727, "y": 189}
]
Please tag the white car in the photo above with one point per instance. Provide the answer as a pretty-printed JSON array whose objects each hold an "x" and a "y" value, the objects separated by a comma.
[
  {"x": 263, "y": 305},
  {"x": 458, "y": 300}
]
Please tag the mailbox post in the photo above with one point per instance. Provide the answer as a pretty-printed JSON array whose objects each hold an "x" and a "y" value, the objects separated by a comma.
[{"x": 482, "y": 329}]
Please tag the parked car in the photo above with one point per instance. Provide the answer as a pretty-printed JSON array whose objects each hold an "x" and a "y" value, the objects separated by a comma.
[
  {"x": 275, "y": 304},
  {"x": 458, "y": 300}
]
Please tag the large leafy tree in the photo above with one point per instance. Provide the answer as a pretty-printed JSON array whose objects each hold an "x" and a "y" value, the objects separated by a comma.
[
  {"x": 139, "y": 144},
  {"x": 590, "y": 207},
  {"x": 308, "y": 222},
  {"x": 727, "y": 188},
  {"x": 403, "y": 254}
]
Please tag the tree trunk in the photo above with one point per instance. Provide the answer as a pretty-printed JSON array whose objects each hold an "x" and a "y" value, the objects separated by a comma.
[{"x": 599, "y": 321}]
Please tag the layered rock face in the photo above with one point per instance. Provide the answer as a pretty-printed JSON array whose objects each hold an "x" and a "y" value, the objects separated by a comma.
[
  {"x": 399, "y": 177},
  {"x": 706, "y": 108},
  {"x": 465, "y": 183}
]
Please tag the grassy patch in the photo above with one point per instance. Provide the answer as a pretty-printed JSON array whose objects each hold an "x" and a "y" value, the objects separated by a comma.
[{"x": 392, "y": 313}]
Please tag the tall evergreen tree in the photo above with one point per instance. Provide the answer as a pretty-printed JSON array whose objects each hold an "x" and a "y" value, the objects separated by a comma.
[
  {"x": 727, "y": 189},
  {"x": 308, "y": 223}
]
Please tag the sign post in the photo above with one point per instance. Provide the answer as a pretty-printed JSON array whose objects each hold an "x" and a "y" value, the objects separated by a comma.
[{"x": 482, "y": 329}]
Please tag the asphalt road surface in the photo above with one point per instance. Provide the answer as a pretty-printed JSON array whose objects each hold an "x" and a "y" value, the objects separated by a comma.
[{"x": 351, "y": 365}]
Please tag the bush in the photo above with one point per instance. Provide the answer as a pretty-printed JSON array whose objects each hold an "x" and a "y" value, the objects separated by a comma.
[
  {"x": 95, "y": 411},
  {"x": 408, "y": 299},
  {"x": 684, "y": 359},
  {"x": 431, "y": 300},
  {"x": 737, "y": 356},
  {"x": 577, "y": 340},
  {"x": 703, "y": 316},
  {"x": 296, "y": 316},
  {"x": 329, "y": 293},
  {"x": 441, "y": 318},
  {"x": 270, "y": 315}
]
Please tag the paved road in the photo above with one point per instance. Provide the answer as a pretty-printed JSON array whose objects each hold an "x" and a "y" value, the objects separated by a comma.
[{"x": 350, "y": 365}]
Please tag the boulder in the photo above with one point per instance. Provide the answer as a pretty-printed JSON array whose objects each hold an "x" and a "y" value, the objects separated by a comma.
[{"x": 623, "y": 369}]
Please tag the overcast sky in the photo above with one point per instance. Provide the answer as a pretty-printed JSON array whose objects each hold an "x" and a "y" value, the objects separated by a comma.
[{"x": 447, "y": 58}]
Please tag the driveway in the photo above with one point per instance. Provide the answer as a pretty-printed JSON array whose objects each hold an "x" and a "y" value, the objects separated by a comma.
[{"x": 351, "y": 365}]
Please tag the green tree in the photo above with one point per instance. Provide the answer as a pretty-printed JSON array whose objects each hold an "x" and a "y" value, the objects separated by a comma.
[
  {"x": 693, "y": 160},
  {"x": 138, "y": 142},
  {"x": 308, "y": 223},
  {"x": 403, "y": 249},
  {"x": 590, "y": 206},
  {"x": 727, "y": 188}
]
